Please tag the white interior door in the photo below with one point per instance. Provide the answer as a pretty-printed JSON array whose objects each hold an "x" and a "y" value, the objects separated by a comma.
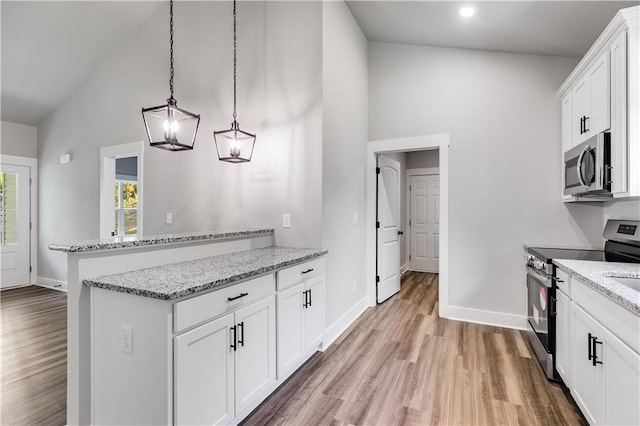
[
  {"x": 425, "y": 223},
  {"x": 14, "y": 224},
  {"x": 388, "y": 219}
]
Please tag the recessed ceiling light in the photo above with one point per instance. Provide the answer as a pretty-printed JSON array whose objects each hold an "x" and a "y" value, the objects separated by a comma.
[{"x": 467, "y": 11}]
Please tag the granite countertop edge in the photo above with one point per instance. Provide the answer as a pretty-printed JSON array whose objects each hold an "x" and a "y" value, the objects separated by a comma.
[
  {"x": 98, "y": 245},
  {"x": 597, "y": 275},
  {"x": 202, "y": 287}
]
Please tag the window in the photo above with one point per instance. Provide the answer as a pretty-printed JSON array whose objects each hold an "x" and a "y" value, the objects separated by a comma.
[
  {"x": 125, "y": 199},
  {"x": 8, "y": 208}
]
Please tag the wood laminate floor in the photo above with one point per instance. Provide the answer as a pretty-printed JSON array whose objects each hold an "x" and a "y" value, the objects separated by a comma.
[
  {"x": 34, "y": 356},
  {"x": 400, "y": 364}
]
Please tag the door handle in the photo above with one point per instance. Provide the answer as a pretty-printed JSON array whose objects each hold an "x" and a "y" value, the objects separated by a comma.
[
  {"x": 306, "y": 300},
  {"x": 590, "y": 347},
  {"x": 594, "y": 351},
  {"x": 309, "y": 296},
  {"x": 400, "y": 233},
  {"x": 585, "y": 124},
  {"x": 241, "y": 339},
  {"x": 231, "y": 299},
  {"x": 307, "y": 271},
  {"x": 234, "y": 344}
]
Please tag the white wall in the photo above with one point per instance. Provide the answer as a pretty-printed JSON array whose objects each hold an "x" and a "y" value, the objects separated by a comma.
[
  {"x": 345, "y": 97},
  {"x": 423, "y": 159},
  {"x": 503, "y": 118},
  {"x": 18, "y": 139},
  {"x": 279, "y": 98}
]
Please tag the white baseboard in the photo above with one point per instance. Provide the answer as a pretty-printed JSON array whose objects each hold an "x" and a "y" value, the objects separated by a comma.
[
  {"x": 479, "y": 316},
  {"x": 404, "y": 268},
  {"x": 51, "y": 283},
  {"x": 337, "y": 328}
]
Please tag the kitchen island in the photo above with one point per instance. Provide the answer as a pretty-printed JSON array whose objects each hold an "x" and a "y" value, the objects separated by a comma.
[{"x": 102, "y": 263}]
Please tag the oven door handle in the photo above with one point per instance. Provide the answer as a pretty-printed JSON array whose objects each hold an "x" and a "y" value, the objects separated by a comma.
[
  {"x": 548, "y": 278},
  {"x": 579, "y": 168}
]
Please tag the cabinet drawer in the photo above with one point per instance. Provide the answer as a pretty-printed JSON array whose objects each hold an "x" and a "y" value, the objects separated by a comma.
[
  {"x": 301, "y": 272},
  {"x": 563, "y": 281},
  {"x": 201, "y": 308}
]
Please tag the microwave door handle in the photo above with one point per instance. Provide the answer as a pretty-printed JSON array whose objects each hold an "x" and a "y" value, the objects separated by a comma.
[{"x": 582, "y": 154}]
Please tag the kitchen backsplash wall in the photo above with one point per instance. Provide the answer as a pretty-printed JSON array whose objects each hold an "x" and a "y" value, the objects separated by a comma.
[
  {"x": 628, "y": 209},
  {"x": 279, "y": 98}
]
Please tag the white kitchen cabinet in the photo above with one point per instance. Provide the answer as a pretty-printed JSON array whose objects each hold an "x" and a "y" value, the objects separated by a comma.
[
  {"x": 603, "y": 94},
  {"x": 587, "y": 379},
  {"x": 563, "y": 337},
  {"x": 622, "y": 381},
  {"x": 591, "y": 98},
  {"x": 300, "y": 323},
  {"x": 619, "y": 165},
  {"x": 224, "y": 366},
  {"x": 204, "y": 374},
  {"x": 581, "y": 105},
  {"x": 314, "y": 313},
  {"x": 599, "y": 118},
  {"x": 255, "y": 353}
]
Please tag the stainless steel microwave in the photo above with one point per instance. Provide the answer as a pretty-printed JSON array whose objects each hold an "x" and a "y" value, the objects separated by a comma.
[{"x": 587, "y": 167}]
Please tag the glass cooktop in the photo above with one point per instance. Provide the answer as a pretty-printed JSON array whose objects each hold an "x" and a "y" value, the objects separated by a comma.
[{"x": 547, "y": 254}]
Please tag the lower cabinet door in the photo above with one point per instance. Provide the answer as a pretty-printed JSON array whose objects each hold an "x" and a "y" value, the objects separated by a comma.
[
  {"x": 255, "y": 357},
  {"x": 203, "y": 375},
  {"x": 587, "y": 379},
  {"x": 290, "y": 329},
  {"x": 563, "y": 337},
  {"x": 314, "y": 313},
  {"x": 622, "y": 389}
]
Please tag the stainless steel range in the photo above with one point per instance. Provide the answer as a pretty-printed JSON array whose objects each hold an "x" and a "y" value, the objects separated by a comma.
[{"x": 622, "y": 245}]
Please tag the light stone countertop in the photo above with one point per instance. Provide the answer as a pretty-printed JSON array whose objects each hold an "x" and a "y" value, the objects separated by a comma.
[
  {"x": 152, "y": 240},
  {"x": 598, "y": 275},
  {"x": 186, "y": 278}
]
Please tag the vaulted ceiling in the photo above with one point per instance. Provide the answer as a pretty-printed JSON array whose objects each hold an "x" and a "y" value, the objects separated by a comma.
[{"x": 50, "y": 47}]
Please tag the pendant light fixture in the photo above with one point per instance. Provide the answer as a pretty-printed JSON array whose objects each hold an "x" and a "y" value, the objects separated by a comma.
[
  {"x": 234, "y": 145},
  {"x": 169, "y": 127}
]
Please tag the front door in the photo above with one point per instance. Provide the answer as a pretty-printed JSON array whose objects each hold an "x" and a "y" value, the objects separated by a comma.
[
  {"x": 14, "y": 224},
  {"x": 388, "y": 220},
  {"x": 425, "y": 222}
]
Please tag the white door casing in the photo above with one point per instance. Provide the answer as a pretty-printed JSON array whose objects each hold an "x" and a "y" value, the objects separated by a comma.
[
  {"x": 425, "y": 223},
  {"x": 389, "y": 220},
  {"x": 16, "y": 216}
]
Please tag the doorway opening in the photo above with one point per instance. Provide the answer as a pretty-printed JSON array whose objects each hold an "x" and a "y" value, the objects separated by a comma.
[
  {"x": 18, "y": 195},
  {"x": 416, "y": 236},
  {"x": 121, "y": 191}
]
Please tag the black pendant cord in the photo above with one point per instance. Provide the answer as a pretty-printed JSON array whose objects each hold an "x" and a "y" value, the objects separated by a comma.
[
  {"x": 235, "y": 53},
  {"x": 171, "y": 70}
]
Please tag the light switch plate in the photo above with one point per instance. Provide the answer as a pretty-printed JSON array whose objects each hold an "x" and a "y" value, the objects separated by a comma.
[
  {"x": 169, "y": 218},
  {"x": 126, "y": 339},
  {"x": 286, "y": 220}
]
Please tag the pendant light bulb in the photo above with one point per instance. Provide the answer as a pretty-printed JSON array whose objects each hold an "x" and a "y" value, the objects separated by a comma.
[
  {"x": 162, "y": 121},
  {"x": 234, "y": 145}
]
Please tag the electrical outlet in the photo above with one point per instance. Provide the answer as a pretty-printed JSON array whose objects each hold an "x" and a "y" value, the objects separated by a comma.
[
  {"x": 169, "y": 218},
  {"x": 286, "y": 220},
  {"x": 126, "y": 339},
  {"x": 355, "y": 218}
]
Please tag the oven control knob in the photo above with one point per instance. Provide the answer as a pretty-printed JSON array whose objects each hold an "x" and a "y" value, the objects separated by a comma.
[{"x": 538, "y": 264}]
